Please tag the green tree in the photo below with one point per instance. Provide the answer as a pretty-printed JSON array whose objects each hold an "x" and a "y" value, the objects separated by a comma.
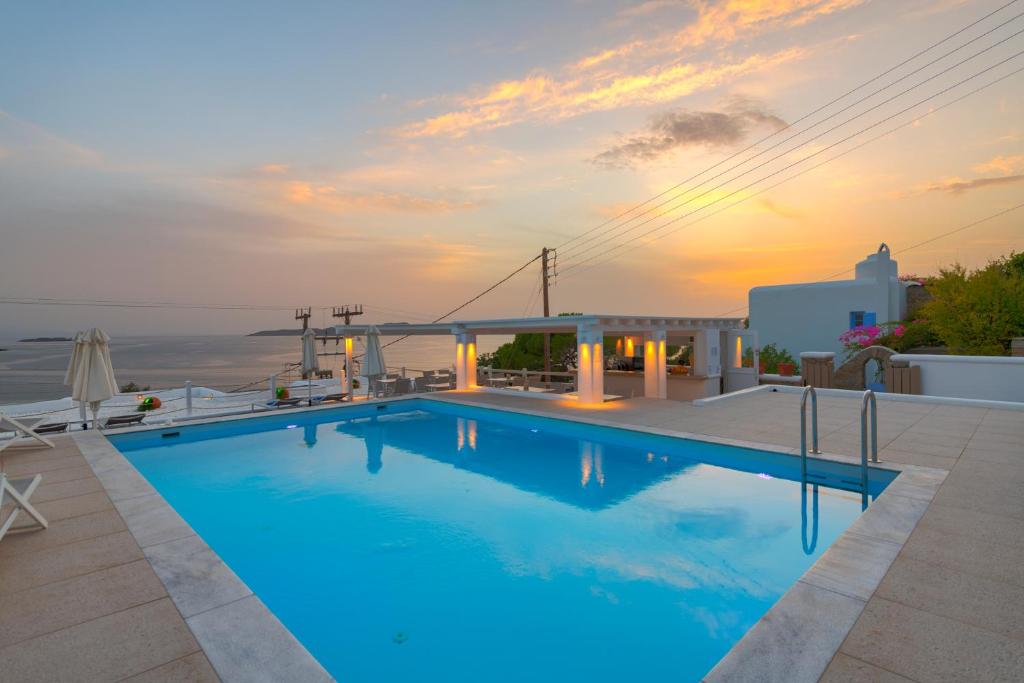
[
  {"x": 978, "y": 312},
  {"x": 527, "y": 351}
]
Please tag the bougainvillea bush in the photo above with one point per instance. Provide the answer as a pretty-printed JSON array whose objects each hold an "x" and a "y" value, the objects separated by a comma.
[{"x": 863, "y": 336}]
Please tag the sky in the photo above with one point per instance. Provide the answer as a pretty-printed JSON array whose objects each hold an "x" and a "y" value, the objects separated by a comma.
[{"x": 407, "y": 155}]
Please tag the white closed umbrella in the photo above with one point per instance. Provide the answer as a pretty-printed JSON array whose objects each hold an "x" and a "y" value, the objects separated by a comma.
[
  {"x": 374, "y": 363},
  {"x": 310, "y": 361},
  {"x": 69, "y": 376},
  {"x": 91, "y": 372}
]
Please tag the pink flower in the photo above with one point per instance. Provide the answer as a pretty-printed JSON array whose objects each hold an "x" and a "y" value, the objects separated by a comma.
[{"x": 899, "y": 330}]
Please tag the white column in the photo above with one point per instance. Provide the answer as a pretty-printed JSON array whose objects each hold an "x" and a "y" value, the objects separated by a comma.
[
  {"x": 655, "y": 377},
  {"x": 465, "y": 361},
  {"x": 347, "y": 341},
  {"x": 707, "y": 361},
  {"x": 590, "y": 365}
]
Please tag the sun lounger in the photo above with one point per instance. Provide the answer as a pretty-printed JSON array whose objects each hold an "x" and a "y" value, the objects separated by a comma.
[
  {"x": 20, "y": 429},
  {"x": 51, "y": 428},
  {"x": 285, "y": 402},
  {"x": 331, "y": 398},
  {"x": 20, "y": 491},
  {"x": 123, "y": 421}
]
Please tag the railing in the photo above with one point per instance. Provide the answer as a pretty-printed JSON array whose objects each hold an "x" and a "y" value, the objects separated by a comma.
[
  {"x": 808, "y": 391},
  {"x": 869, "y": 397},
  {"x": 523, "y": 380}
]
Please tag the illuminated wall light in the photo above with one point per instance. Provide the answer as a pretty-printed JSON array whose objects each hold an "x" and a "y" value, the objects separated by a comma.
[{"x": 738, "y": 362}]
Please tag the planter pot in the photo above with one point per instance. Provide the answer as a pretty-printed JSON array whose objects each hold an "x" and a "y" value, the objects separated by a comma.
[
  {"x": 787, "y": 369},
  {"x": 762, "y": 368}
]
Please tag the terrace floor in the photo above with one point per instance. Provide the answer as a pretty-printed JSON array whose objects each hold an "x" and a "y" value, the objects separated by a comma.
[{"x": 81, "y": 601}]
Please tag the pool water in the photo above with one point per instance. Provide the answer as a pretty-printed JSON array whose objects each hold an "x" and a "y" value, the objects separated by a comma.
[{"x": 433, "y": 542}]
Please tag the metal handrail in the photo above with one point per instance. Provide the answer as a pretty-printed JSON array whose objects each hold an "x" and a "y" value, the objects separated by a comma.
[
  {"x": 869, "y": 397},
  {"x": 803, "y": 427}
]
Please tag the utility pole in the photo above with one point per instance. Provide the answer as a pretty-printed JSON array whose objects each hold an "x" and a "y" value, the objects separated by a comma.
[
  {"x": 304, "y": 315},
  {"x": 546, "y": 272},
  {"x": 347, "y": 312}
]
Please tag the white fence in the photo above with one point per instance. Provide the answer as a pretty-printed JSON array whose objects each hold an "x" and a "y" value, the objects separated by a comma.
[{"x": 993, "y": 378}]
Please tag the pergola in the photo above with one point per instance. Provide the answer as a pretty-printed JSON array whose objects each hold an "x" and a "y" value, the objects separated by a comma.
[{"x": 590, "y": 331}]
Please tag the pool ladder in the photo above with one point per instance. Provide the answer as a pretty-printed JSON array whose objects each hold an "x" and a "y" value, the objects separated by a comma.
[{"x": 868, "y": 399}]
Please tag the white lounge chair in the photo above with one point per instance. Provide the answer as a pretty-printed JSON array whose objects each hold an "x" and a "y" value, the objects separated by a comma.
[
  {"x": 20, "y": 491},
  {"x": 20, "y": 429}
]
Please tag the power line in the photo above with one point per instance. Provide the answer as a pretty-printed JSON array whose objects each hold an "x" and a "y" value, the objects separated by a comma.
[
  {"x": 477, "y": 297},
  {"x": 832, "y": 158},
  {"x": 795, "y": 147},
  {"x": 794, "y": 123},
  {"x": 910, "y": 248},
  {"x": 791, "y": 165}
]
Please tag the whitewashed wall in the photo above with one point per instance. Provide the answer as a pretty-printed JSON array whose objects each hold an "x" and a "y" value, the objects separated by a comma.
[{"x": 995, "y": 378}]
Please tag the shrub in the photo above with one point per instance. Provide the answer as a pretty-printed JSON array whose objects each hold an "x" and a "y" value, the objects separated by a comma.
[
  {"x": 978, "y": 312},
  {"x": 772, "y": 355}
]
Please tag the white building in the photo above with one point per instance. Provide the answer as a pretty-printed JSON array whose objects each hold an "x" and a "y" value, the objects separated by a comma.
[{"x": 811, "y": 316}]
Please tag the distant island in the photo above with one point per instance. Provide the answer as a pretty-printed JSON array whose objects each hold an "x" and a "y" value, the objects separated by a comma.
[
  {"x": 284, "y": 333},
  {"x": 47, "y": 339}
]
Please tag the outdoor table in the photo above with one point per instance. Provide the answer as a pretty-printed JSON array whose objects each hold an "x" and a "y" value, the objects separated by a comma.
[
  {"x": 387, "y": 384},
  {"x": 439, "y": 387}
]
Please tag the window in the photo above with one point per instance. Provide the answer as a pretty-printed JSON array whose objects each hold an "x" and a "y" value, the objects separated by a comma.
[{"x": 859, "y": 318}]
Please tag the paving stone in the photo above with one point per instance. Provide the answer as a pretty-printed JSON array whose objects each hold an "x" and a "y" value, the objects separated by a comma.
[
  {"x": 152, "y": 521},
  {"x": 245, "y": 642},
  {"x": 76, "y": 506},
  {"x": 61, "y": 604},
  {"x": 794, "y": 641},
  {"x": 846, "y": 669},
  {"x": 853, "y": 565},
  {"x": 64, "y": 562},
  {"x": 62, "y": 532},
  {"x": 194, "y": 575},
  {"x": 928, "y": 647},
  {"x": 990, "y": 605},
  {"x": 194, "y": 668},
  {"x": 106, "y": 649},
  {"x": 982, "y": 525},
  {"x": 48, "y": 490},
  {"x": 968, "y": 554}
]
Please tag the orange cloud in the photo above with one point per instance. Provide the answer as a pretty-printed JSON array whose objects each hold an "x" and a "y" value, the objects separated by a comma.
[
  {"x": 640, "y": 72},
  {"x": 543, "y": 98},
  {"x": 331, "y": 198},
  {"x": 1002, "y": 164}
]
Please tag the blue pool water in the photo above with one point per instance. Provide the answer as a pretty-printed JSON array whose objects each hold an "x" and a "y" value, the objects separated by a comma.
[{"x": 435, "y": 542}]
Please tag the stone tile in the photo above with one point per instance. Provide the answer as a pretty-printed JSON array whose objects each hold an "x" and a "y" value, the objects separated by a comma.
[
  {"x": 124, "y": 482},
  {"x": 196, "y": 578},
  {"x": 76, "y": 506},
  {"x": 57, "y": 564},
  {"x": 48, "y": 491},
  {"x": 194, "y": 668},
  {"x": 991, "y": 474},
  {"x": 977, "y": 556},
  {"x": 67, "y": 474},
  {"x": 151, "y": 520},
  {"x": 846, "y": 669},
  {"x": 245, "y": 642},
  {"x": 914, "y": 458},
  {"x": 62, "y": 532},
  {"x": 972, "y": 495},
  {"x": 928, "y": 647},
  {"x": 890, "y": 518},
  {"x": 853, "y": 566},
  {"x": 1004, "y": 456},
  {"x": 106, "y": 649},
  {"x": 27, "y": 469},
  {"x": 981, "y": 525},
  {"x": 794, "y": 641},
  {"x": 44, "y": 609},
  {"x": 991, "y": 605}
]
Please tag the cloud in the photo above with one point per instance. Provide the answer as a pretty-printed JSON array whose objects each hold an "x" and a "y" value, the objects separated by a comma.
[
  {"x": 958, "y": 186},
  {"x": 331, "y": 198},
  {"x": 1002, "y": 164},
  {"x": 542, "y": 98},
  {"x": 637, "y": 72},
  {"x": 31, "y": 143},
  {"x": 681, "y": 129}
]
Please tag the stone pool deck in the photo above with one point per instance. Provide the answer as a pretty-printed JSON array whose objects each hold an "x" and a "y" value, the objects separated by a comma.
[{"x": 85, "y": 600}]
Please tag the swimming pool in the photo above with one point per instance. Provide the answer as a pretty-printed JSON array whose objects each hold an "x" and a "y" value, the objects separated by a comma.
[{"x": 430, "y": 541}]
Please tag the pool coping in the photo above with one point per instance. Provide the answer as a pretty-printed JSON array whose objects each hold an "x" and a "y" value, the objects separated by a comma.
[{"x": 795, "y": 640}]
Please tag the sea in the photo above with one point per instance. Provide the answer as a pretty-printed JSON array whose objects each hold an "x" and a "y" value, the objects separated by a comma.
[{"x": 34, "y": 371}]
